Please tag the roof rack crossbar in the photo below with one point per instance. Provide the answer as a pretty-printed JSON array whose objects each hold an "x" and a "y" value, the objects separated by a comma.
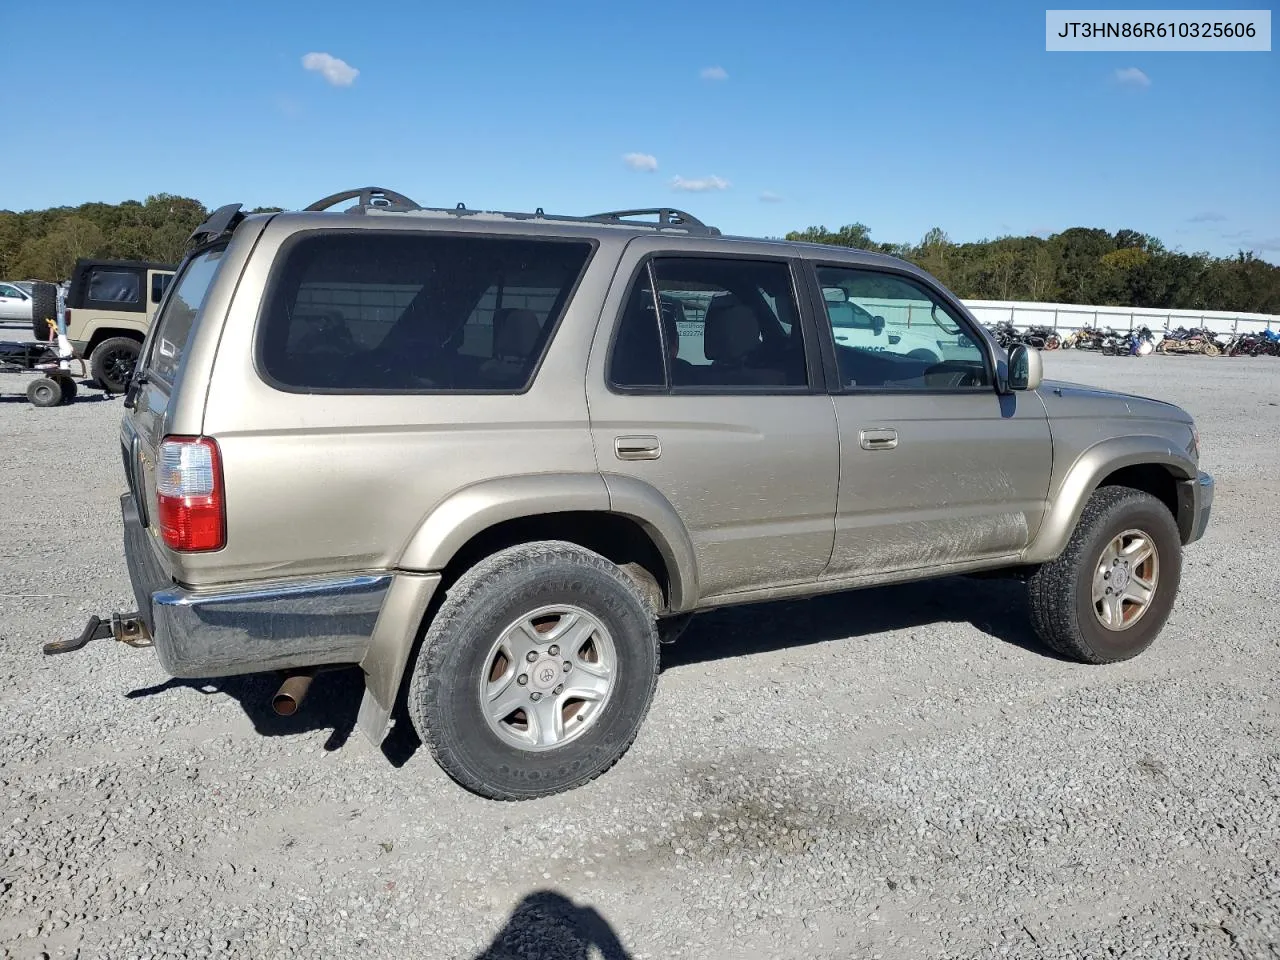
[
  {"x": 379, "y": 197},
  {"x": 667, "y": 216}
]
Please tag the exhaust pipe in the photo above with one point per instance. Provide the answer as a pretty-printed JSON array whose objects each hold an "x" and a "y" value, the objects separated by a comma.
[{"x": 291, "y": 693}]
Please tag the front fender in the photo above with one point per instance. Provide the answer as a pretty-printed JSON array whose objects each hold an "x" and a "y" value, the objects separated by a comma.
[{"x": 1088, "y": 470}]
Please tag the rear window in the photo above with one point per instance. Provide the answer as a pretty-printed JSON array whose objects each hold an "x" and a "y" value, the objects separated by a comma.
[
  {"x": 174, "y": 325},
  {"x": 366, "y": 313},
  {"x": 114, "y": 286}
]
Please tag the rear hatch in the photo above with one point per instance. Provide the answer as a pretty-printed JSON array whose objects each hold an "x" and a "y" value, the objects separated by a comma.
[{"x": 153, "y": 394}]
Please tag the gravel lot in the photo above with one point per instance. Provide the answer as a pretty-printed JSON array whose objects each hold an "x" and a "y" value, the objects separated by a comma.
[{"x": 900, "y": 772}]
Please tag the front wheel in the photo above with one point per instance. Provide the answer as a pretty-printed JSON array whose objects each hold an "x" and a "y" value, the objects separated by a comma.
[
  {"x": 1211, "y": 349},
  {"x": 536, "y": 673},
  {"x": 1109, "y": 593}
]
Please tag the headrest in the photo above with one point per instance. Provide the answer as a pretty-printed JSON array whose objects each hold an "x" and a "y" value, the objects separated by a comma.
[
  {"x": 730, "y": 334},
  {"x": 515, "y": 332}
]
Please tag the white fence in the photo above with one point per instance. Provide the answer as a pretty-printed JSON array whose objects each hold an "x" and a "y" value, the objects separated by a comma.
[{"x": 1069, "y": 316}]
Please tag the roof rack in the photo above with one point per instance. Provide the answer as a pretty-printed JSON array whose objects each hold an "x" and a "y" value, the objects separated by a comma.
[{"x": 383, "y": 200}]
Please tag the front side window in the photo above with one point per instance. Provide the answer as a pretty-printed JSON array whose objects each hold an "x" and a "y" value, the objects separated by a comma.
[
  {"x": 11, "y": 292},
  {"x": 892, "y": 332},
  {"x": 174, "y": 325},
  {"x": 710, "y": 325},
  {"x": 410, "y": 312},
  {"x": 114, "y": 286}
]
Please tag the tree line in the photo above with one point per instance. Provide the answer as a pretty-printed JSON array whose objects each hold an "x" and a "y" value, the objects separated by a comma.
[{"x": 1079, "y": 265}]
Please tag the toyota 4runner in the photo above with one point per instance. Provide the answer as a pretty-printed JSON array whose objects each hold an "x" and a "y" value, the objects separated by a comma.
[{"x": 494, "y": 459}]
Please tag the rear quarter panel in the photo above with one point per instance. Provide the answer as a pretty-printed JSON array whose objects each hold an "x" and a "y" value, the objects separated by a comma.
[{"x": 324, "y": 483}]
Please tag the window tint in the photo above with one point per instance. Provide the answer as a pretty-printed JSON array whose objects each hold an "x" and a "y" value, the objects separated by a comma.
[
  {"x": 636, "y": 360},
  {"x": 364, "y": 312},
  {"x": 14, "y": 292},
  {"x": 730, "y": 323},
  {"x": 114, "y": 286},
  {"x": 174, "y": 325},
  {"x": 893, "y": 332},
  {"x": 159, "y": 283}
]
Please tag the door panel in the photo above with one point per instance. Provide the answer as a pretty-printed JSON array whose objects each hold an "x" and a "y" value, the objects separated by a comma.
[
  {"x": 702, "y": 385},
  {"x": 752, "y": 478},
  {"x": 965, "y": 479},
  {"x": 936, "y": 467}
]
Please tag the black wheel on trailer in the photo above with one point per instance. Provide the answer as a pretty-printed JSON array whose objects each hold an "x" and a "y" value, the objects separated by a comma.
[
  {"x": 44, "y": 307},
  {"x": 44, "y": 392}
]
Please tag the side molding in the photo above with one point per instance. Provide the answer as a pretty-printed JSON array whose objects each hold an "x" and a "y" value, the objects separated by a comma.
[{"x": 1083, "y": 476}]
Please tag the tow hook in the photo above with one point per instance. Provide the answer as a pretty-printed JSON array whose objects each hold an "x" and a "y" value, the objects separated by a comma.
[{"x": 126, "y": 627}]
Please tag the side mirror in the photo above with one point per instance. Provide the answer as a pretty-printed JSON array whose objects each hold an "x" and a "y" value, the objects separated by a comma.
[
  {"x": 878, "y": 325},
  {"x": 1026, "y": 368}
]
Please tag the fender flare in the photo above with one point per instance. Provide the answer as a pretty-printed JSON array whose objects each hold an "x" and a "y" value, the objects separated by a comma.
[
  {"x": 1090, "y": 469},
  {"x": 450, "y": 524}
]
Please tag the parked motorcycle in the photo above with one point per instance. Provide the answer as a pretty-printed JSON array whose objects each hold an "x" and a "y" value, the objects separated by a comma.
[
  {"x": 1261, "y": 344},
  {"x": 1196, "y": 340},
  {"x": 1041, "y": 337}
]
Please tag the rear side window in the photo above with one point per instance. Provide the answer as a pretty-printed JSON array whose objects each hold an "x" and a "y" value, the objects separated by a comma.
[
  {"x": 114, "y": 286},
  {"x": 366, "y": 313},
  {"x": 174, "y": 325},
  {"x": 159, "y": 284}
]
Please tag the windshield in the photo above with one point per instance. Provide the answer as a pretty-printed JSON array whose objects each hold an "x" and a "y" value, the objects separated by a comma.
[{"x": 178, "y": 315}]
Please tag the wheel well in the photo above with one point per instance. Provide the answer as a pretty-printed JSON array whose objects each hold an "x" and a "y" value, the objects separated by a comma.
[
  {"x": 1150, "y": 478},
  {"x": 616, "y": 538},
  {"x": 100, "y": 335}
]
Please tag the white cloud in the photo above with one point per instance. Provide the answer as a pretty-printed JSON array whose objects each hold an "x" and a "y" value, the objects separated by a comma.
[
  {"x": 699, "y": 184},
  {"x": 1133, "y": 77},
  {"x": 714, "y": 73},
  {"x": 769, "y": 196},
  {"x": 337, "y": 72},
  {"x": 645, "y": 162}
]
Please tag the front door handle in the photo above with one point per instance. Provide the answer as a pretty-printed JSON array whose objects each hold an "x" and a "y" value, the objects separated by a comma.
[
  {"x": 637, "y": 448},
  {"x": 880, "y": 439}
]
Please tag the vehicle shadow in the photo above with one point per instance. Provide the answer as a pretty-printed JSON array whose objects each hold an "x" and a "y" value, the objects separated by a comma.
[
  {"x": 546, "y": 925},
  {"x": 331, "y": 703},
  {"x": 996, "y": 607}
]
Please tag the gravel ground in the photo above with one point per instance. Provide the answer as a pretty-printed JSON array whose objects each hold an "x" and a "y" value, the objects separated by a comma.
[{"x": 902, "y": 772}]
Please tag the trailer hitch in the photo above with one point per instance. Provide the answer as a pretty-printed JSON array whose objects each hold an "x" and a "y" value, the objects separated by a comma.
[{"x": 126, "y": 627}]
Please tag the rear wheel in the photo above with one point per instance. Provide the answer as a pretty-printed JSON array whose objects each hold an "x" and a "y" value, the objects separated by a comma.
[
  {"x": 1110, "y": 592},
  {"x": 536, "y": 673},
  {"x": 44, "y": 392},
  {"x": 113, "y": 363}
]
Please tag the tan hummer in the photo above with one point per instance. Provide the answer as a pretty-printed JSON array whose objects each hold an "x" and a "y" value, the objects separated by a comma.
[{"x": 492, "y": 460}]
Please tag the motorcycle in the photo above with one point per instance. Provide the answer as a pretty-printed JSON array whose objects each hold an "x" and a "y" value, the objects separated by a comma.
[
  {"x": 1041, "y": 337},
  {"x": 1086, "y": 338},
  {"x": 1196, "y": 340}
]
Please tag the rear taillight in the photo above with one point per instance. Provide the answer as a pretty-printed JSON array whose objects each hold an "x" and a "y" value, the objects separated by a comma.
[{"x": 189, "y": 501}]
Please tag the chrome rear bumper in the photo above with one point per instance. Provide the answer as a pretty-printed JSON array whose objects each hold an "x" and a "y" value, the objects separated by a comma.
[{"x": 267, "y": 626}]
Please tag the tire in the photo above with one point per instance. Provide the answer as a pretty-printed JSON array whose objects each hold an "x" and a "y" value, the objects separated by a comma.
[
  {"x": 1210, "y": 349},
  {"x": 44, "y": 392},
  {"x": 44, "y": 307},
  {"x": 458, "y": 654},
  {"x": 1061, "y": 591},
  {"x": 113, "y": 362}
]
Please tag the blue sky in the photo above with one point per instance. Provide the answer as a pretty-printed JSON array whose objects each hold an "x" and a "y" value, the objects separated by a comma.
[{"x": 901, "y": 116}]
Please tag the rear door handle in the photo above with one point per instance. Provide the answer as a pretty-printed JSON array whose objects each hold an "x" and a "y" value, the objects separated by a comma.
[
  {"x": 637, "y": 448},
  {"x": 884, "y": 438}
]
